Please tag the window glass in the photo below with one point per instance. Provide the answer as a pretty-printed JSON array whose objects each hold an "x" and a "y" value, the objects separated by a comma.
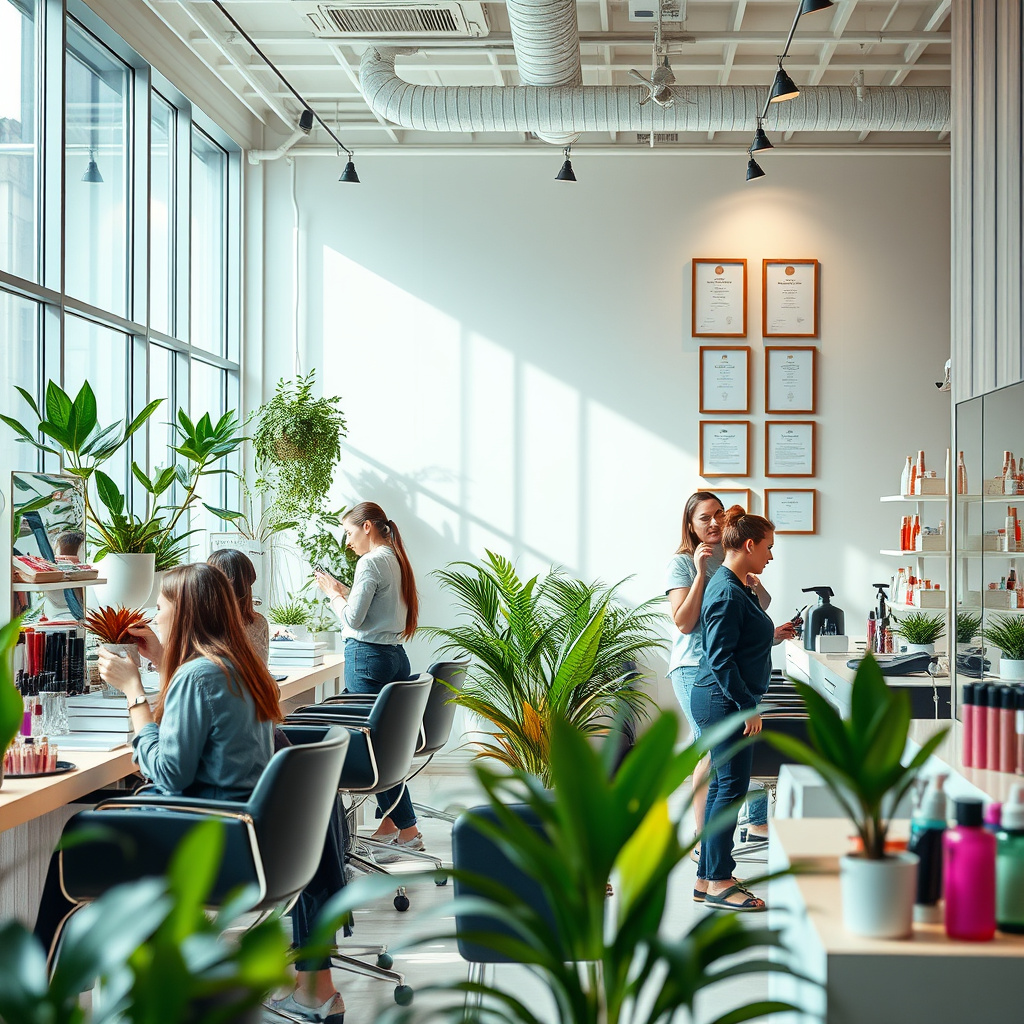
[
  {"x": 96, "y": 174},
  {"x": 161, "y": 216},
  {"x": 161, "y": 432},
  {"x": 209, "y": 256},
  {"x": 19, "y": 152},
  {"x": 19, "y": 364},
  {"x": 207, "y": 396}
]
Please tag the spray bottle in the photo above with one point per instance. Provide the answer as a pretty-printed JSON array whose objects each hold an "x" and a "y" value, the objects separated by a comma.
[
  {"x": 926, "y": 829},
  {"x": 824, "y": 617}
]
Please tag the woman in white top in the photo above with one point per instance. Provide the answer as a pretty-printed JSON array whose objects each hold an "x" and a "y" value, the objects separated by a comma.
[{"x": 377, "y": 614}]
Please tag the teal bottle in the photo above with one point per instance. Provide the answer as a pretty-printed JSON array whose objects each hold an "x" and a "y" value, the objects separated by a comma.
[{"x": 1010, "y": 865}]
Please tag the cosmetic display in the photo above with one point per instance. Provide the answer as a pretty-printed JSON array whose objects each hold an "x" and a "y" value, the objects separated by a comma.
[
  {"x": 969, "y": 875},
  {"x": 926, "y": 831}
]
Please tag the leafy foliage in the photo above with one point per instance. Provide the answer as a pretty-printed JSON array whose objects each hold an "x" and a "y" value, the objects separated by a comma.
[
  {"x": 293, "y": 612},
  {"x": 599, "y": 825},
  {"x": 543, "y": 649},
  {"x": 1007, "y": 633},
  {"x": 298, "y": 444},
  {"x": 113, "y": 625},
  {"x": 967, "y": 627},
  {"x": 919, "y": 628},
  {"x": 11, "y": 707},
  {"x": 860, "y": 758}
]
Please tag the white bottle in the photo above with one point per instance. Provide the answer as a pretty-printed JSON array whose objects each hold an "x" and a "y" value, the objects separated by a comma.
[
  {"x": 905, "y": 479},
  {"x": 1010, "y": 477}
]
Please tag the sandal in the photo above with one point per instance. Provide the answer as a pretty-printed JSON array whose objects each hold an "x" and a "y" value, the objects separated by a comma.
[
  {"x": 700, "y": 895},
  {"x": 721, "y": 900}
]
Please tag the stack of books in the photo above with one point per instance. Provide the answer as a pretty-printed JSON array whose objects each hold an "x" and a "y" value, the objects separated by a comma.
[
  {"x": 95, "y": 713},
  {"x": 295, "y": 654}
]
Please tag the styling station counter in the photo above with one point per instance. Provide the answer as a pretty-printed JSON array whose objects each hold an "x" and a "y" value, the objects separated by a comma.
[
  {"x": 33, "y": 811},
  {"x": 926, "y": 978}
]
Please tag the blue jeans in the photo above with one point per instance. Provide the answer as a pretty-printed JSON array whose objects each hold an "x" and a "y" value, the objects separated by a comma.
[
  {"x": 368, "y": 669},
  {"x": 731, "y": 775}
]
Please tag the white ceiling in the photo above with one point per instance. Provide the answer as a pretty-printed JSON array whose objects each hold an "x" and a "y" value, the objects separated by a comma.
[{"x": 721, "y": 42}]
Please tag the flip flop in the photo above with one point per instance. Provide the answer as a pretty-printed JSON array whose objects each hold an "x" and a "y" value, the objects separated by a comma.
[
  {"x": 700, "y": 895},
  {"x": 750, "y": 904}
]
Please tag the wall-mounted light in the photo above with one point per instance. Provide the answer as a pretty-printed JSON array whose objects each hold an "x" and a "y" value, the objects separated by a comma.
[
  {"x": 566, "y": 174},
  {"x": 92, "y": 170}
]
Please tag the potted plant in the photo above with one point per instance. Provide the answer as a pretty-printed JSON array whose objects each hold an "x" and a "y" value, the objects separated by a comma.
[
  {"x": 968, "y": 626},
  {"x": 297, "y": 443},
  {"x": 291, "y": 615},
  {"x": 599, "y": 824},
  {"x": 1007, "y": 633},
  {"x": 543, "y": 649},
  {"x": 920, "y": 631},
  {"x": 12, "y": 709},
  {"x": 860, "y": 761},
  {"x": 113, "y": 628}
]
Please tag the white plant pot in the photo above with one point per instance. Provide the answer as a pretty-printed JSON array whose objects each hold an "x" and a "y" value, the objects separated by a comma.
[
  {"x": 299, "y": 632},
  {"x": 129, "y": 581},
  {"x": 1011, "y": 668},
  {"x": 878, "y": 895},
  {"x": 158, "y": 582},
  {"x": 919, "y": 648},
  {"x": 129, "y": 651}
]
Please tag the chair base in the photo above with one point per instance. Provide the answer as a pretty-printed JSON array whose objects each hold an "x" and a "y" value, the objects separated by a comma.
[
  {"x": 344, "y": 959},
  {"x": 426, "y": 811}
]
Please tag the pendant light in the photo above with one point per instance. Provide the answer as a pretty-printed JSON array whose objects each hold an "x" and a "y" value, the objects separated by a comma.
[
  {"x": 753, "y": 169},
  {"x": 761, "y": 141},
  {"x": 92, "y": 170},
  {"x": 810, "y": 6},
  {"x": 566, "y": 174},
  {"x": 783, "y": 88},
  {"x": 349, "y": 174}
]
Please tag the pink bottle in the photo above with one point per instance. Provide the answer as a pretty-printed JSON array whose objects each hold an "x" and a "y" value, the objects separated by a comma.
[
  {"x": 980, "y": 744},
  {"x": 968, "y": 710},
  {"x": 969, "y": 876}
]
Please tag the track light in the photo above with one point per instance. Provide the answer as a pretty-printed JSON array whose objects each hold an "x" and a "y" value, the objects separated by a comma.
[
  {"x": 565, "y": 174},
  {"x": 761, "y": 141},
  {"x": 810, "y": 6},
  {"x": 306, "y": 121},
  {"x": 92, "y": 170},
  {"x": 754, "y": 170},
  {"x": 349, "y": 174},
  {"x": 783, "y": 88}
]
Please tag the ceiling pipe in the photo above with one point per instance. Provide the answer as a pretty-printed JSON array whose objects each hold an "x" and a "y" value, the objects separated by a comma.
[
  {"x": 581, "y": 108},
  {"x": 258, "y": 156}
]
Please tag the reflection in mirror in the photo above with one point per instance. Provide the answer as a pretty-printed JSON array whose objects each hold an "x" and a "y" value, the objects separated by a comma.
[{"x": 969, "y": 515}]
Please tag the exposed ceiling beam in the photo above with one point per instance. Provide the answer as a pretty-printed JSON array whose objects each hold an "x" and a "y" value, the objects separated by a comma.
[
  {"x": 915, "y": 50},
  {"x": 839, "y": 21}
]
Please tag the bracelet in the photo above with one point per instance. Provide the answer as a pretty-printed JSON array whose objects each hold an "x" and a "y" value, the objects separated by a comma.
[{"x": 141, "y": 699}]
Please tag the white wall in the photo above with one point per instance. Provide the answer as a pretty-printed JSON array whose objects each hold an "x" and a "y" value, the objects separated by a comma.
[{"x": 516, "y": 363}]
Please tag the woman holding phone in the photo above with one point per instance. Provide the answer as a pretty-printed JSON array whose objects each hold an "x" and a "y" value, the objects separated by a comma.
[{"x": 377, "y": 613}]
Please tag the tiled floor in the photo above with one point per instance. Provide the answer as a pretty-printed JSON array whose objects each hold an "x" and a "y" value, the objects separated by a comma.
[{"x": 381, "y": 923}]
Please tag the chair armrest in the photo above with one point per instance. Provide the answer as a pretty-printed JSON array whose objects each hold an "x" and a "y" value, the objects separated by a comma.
[
  {"x": 350, "y": 698},
  {"x": 188, "y": 804},
  {"x": 359, "y": 772}
]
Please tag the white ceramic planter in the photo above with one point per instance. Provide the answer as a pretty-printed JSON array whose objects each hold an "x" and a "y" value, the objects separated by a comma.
[
  {"x": 129, "y": 581},
  {"x": 878, "y": 895},
  {"x": 154, "y": 593},
  {"x": 919, "y": 648},
  {"x": 130, "y": 651},
  {"x": 1011, "y": 668}
]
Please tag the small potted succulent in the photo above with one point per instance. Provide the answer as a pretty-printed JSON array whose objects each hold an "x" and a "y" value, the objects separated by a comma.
[
  {"x": 1007, "y": 633},
  {"x": 113, "y": 627},
  {"x": 291, "y": 616},
  {"x": 920, "y": 631}
]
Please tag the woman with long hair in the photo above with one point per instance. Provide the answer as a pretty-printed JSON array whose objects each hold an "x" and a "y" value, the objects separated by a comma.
[
  {"x": 732, "y": 676},
  {"x": 241, "y": 574},
  {"x": 377, "y": 614}
]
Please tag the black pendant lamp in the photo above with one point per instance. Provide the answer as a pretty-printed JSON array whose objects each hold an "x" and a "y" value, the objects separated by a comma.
[
  {"x": 349, "y": 174},
  {"x": 754, "y": 170},
  {"x": 92, "y": 171},
  {"x": 810, "y": 6},
  {"x": 783, "y": 88},
  {"x": 566, "y": 174},
  {"x": 761, "y": 141}
]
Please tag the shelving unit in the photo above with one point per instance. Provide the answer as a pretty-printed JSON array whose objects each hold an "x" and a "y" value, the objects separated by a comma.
[{"x": 25, "y": 588}]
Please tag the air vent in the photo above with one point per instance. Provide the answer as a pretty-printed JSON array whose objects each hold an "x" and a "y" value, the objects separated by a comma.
[
  {"x": 644, "y": 138},
  {"x": 337, "y": 20},
  {"x": 647, "y": 10}
]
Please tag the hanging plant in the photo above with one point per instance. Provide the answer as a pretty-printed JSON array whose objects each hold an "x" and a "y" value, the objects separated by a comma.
[{"x": 298, "y": 445}]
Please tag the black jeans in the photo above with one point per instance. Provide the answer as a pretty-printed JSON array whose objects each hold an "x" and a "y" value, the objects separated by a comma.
[{"x": 732, "y": 780}]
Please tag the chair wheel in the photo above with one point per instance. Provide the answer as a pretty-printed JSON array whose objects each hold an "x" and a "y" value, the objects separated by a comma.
[
  {"x": 385, "y": 961},
  {"x": 441, "y": 878},
  {"x": 401, "y": 901},
  {"x": 403, "y": 995}
]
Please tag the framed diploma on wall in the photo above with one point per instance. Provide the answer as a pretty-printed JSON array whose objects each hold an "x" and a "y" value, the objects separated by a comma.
[
  {"x": 792, "y": 511},
  {"x": 725, "y": 378},
  {"x": 789, "y": 447},
  {"x": 734, "y": 496},
  {"x": 789, "y": 298},
  {"x": 719, "y": 301},
  {"x": 790, "y": 379},
  {"x": 724, "y": 448}
]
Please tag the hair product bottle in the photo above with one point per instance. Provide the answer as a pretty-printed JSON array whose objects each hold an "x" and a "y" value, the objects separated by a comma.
[
  {"x": 905, "y": 477},
  {"x": 926, "y": 831},
  {"x": 1010, "y": 864},
  {"x": 969, "y": 876},
  {"x": 980, "y": 744},
  {"x": 968, "y": 710},
  {"x": 961, "y": 474},
  {"x": 1007, "y": 729},
  {"x": 992, "y": 728}
]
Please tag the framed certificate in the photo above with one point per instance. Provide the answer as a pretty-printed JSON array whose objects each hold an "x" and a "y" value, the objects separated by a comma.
[
  {"x": 789, "y": 299},
  {"x": 734, "y": 496},
  {"x": 719, "y": 302},
  {"x": 724, "y": 448},
  {"x": 790, "y": 379},
  {"x": 789, "y": 447},
  {"x": 792, "y": 511},
  {"x": 725, "y": 378}
]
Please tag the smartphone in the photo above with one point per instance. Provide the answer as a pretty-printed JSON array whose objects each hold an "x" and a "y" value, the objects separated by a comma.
[
  {"x": 799, "y": 615},
  {"x": 320, "y": 567}
]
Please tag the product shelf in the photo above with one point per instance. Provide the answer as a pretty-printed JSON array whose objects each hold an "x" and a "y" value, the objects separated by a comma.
[
  {"x": 944, "y": 553},
  {"x": 25, "y": 588},
  {"x": 917, "y": 497}
]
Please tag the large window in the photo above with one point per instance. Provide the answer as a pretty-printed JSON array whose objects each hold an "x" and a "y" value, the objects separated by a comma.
[
  {"x": 209, "y": 255},
  {"x": 162, "y": 215},
  {"x": 19, "y": 151}
]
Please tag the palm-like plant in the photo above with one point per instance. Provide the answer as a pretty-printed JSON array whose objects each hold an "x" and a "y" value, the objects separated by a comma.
[{"x": 556, "y": 647}]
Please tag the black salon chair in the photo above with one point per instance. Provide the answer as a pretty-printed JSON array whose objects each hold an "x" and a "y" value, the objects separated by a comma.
[{"x": 273, "y": 840}]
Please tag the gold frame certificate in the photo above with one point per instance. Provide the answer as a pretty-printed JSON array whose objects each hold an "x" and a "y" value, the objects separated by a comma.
[
  {"x": 725, "y": 378},
  {"x": 724, "y": 448},
  {"x": 790, "y": 379},
  {"x": 718, "y": 306},
  {"x": 792, "y": 511},
  {"x": 789, "y": 447},
  {"x": 789, "y": 298}
]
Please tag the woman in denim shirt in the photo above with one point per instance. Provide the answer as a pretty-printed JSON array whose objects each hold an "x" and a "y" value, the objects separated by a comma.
[{"x": 733, "y": 675}]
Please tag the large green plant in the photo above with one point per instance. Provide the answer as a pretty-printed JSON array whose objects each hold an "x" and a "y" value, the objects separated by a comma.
[
  {"x": 297, "y": 443},
  {"x": 543, "y": 649},
  {"x": 921, "y": 628},
  {"x": 599, "y": 824},
  {"x": 11, "y": 706},
  {"x": 861, "y": 759},
  {"x": 1007, "y": 633}
]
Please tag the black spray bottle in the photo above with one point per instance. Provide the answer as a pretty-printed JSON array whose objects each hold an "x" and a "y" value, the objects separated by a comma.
[{"x": 926, "y": 829}]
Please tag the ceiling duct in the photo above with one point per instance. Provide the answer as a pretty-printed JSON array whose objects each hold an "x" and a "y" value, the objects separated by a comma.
[
  {"x": 560, "y": 111},
  {"x": 338, "y": 20}
]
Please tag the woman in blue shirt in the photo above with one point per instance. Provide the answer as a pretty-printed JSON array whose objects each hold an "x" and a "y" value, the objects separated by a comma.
[
  {"x": 733, "y": 674},
  {"x": 377, "y": 613}
]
